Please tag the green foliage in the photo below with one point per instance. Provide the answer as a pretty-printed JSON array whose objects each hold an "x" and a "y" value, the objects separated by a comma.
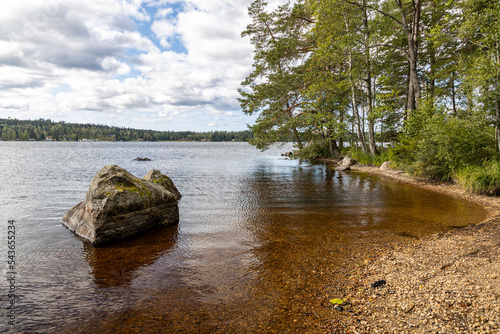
[
  {"x": 368, "y": 159},
  {"x": 315, "y": 149},
  {"x": 483, "y": 179},
  {"x": 337, "y": 70},
  {"x": 480, "y": 61},
  {"x": 403, "y": 155},
  {"x": 13, "y": 129},
  {"x": 444, "y": 146},
  {"x": 273, "y": 90}
]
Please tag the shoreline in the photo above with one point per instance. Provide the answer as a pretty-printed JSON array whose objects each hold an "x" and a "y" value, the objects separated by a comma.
[
  {"x": 489, "y": 203},
  {"x": 442, "y": 283}
]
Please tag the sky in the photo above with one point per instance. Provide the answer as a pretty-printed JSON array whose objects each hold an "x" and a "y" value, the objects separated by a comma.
[{"x": 146, "y": 64}]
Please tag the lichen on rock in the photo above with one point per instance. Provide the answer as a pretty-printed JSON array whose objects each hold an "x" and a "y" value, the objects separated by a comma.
[
  {"x": 119, "y": 205},
  {"x": 157, "y": 177}
]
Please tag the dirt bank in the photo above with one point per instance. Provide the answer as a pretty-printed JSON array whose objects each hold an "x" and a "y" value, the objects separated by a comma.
[{"x": 443, "y": 283}]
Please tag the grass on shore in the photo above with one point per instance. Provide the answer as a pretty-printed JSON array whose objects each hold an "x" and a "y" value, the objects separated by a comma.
[
  {"x": 483, "y": 180},
  {"x": 368, "y": 159},
  {"x": 479, "y": 179}
]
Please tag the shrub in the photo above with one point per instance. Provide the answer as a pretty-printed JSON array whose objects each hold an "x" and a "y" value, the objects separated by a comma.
[
  {"x": 316, "y": 149},
  {"x": 360, "y": 156},
  {"x": 446, "y": 145},
  {"x": 368, "y": 159},
  {"x": 481, "y": 179}
]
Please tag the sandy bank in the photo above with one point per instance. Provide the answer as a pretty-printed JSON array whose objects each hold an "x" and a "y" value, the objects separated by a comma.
[{"x": 443, "y": 283}]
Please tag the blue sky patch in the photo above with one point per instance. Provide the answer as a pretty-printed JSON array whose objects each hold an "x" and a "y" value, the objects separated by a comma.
[
  {"x": 60, "y": 89},
  {"x": 145, "y": 27}
]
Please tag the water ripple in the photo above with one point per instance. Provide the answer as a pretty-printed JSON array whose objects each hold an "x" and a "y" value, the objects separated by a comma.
[{"x": 252, "y": 228}]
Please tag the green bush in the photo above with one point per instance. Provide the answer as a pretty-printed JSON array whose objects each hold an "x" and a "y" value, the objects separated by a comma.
[
  {"x": 403, "y": 153},
  {"x": 316, "y": 149},
  {"x": 481, "y": 179},
  {"x": 444, "y": 146}
]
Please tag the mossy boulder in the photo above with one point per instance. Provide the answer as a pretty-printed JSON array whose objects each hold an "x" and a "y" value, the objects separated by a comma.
[
  {"x": 157, "y": 177},
  {"x": 119, "y": 205}
]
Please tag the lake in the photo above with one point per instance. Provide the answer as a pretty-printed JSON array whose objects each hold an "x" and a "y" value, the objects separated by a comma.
[{"x": 260, "y": 246}]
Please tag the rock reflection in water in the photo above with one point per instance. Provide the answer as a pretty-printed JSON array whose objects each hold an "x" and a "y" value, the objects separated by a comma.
[{"x": 116, "y": 264}]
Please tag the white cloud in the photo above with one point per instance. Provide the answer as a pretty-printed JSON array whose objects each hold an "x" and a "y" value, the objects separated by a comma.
[
  {"x": 111, "y": 70},
  {"x": 164, "y": 12},
  {"x": 163, "y": 28}
]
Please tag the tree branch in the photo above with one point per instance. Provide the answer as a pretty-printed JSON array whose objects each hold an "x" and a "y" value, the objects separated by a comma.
[
  {"x": 375, "y": 9},
  {"x": 306, "y": 19},
  {"x": 286, "y": 110},
  {"x": 300, "y": 114}
]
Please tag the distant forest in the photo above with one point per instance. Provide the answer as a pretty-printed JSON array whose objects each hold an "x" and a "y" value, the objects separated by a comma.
[{"x": 45, "y": 129}]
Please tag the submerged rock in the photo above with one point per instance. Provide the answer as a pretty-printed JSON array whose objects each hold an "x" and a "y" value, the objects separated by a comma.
[
  {"x": 119, "y": 205},
  {"x": 378, "y": 284},
  {"x": 142, "y": 159}
]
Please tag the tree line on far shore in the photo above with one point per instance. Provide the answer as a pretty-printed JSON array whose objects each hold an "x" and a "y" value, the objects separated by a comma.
[
  {"x": 45, "y": 129},
  {"x": 423, "y": 75}
]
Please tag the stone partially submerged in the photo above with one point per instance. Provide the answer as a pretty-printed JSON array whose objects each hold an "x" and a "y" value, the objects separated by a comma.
[
  {"x": 119, "y": 205},
  {"x": 345, "y": 164}
]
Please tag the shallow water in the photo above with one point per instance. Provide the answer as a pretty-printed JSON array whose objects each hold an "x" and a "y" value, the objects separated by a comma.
[{"x": 259, "y": 238}]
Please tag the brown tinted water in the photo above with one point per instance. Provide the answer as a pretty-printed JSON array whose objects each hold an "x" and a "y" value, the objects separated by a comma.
[{"x": 262, "y": 246}]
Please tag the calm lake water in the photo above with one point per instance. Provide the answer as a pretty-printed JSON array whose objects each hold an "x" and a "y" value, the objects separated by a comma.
[{"x": 259, "y": 239}]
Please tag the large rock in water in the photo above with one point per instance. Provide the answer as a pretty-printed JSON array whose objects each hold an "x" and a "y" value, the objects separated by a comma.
[
  {"x": 157, "y": 177},
  {"x": 119, "y": 205}
]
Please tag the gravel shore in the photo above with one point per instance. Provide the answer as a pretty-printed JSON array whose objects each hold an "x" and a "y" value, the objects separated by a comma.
[{"x": 443, "y": 283}]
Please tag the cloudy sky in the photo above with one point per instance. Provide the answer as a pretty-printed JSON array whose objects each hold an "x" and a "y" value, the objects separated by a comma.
[{"x": 151, "y": 64}]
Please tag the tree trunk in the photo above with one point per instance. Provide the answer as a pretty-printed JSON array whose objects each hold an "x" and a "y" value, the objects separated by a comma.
[
  {"x": 432, "y": 74},
  {"x": 359, "y": 134},
  {"x": 332, "y": 144},
  {"x": 497, "y": 123},
  {"x": 407, "y": 105},
  {"x": 412, "y": 30},
  {"x": 497, "y": 96},
  {"x": 297, "y": 138},
  {"x": 369, "y": 94},
  {"x": 351, "y": 141},
  {"x": 453, "y": 94},
  {"x": 341, "y": 139},
  {"x": 432, "y": 56},
  {"x": 414, "y": 93},
  {"x": 469, "y": 104}
]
